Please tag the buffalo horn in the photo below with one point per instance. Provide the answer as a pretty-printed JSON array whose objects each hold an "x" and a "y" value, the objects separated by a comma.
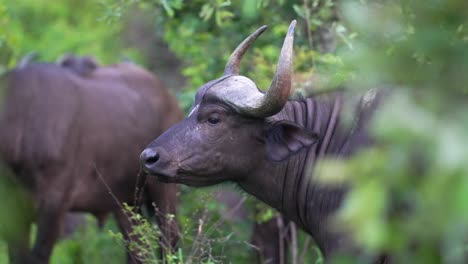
[
  {"x": 278, "y": 93},
  {"x": 233, "y": 64},
  {"x": 242, "y": 94},
  {"x": 257, "y": 104}
]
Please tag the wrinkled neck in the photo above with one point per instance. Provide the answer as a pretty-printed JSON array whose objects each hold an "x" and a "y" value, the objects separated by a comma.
[
  {"x": 289, "y": 186},
  {"x": 288, "y": 177}
]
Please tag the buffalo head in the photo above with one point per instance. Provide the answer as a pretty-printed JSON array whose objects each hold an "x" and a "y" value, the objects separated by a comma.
[{"x": 230, "y": 130}]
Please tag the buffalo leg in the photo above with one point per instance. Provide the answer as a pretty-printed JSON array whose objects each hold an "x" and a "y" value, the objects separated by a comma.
[
  {"x": 270, "y": 241},
  {"x": 164, "y": 199},
  {"x": 125, "y": 225},
  {"x": 49, "y": 222}
]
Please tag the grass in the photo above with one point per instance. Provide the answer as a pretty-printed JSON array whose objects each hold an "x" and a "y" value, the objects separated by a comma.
[
  {"x": 3, "y": 253},
  {"x": 87, "y": 245},
  {"x": 207, "y": 237},
  {"x": 90, "y": 245}
]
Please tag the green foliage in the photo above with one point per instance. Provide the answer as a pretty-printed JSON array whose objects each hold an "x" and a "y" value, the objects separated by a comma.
[
  {"x": 204, "y": 33},
  {"x": 146, "y": 247},
  {"x": 410, "y": 191},
  {"x": 89, "y": 245},
  {"x": 3, "y": 255},
  {"x": 206, "y": 236},
  {"x": 430, "y": 39},
  {"x": 17, "y": 209},
  {"x": 7, "y": 40},
  {"x": 54, "y": 29},
  {"x": 264, "y": 213}
]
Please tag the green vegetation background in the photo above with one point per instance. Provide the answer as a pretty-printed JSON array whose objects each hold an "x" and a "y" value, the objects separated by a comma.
[{"x": 410, "y": 195}]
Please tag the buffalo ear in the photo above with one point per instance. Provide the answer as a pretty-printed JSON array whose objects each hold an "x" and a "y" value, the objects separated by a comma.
[{"x": 284, "y": 138}]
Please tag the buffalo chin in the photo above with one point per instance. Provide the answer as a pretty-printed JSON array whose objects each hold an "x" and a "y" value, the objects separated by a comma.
[
  {"x": 198, "y": 181},
  {"x": 165, "y": 178},
  {"x": 183, "y": 178},
  {"x": 162, "y": 176}
]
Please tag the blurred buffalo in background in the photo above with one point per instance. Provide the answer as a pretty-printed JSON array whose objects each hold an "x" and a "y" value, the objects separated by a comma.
[{"x": 71, "y": 133}]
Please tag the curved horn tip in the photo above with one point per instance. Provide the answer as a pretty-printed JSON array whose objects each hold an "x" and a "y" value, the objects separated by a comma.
[
  {"x": 262, "y": 28},
  {"x": 233, "y": 64},
  {"x": 291, "y": 26}
]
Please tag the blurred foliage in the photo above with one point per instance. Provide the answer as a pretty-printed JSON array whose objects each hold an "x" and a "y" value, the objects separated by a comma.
[
  {"x": 87, "y": 244},
  {"x": 196, "y": 31},
  {"x": 3, "y": 257},
  {"x": 90, "y": 245},
  {"x": 66, "y": 26},
  {"x": 17, "y": 209},
  {"x": 410, "y": 191}
]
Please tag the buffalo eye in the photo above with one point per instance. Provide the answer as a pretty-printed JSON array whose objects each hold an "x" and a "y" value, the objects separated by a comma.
[{"x": 213, "y": 119}]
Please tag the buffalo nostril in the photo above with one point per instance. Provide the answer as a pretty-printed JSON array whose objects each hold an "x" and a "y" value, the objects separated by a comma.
[
  {"x": 149, "y": 157},
  {"x": 153, "y": 159}
]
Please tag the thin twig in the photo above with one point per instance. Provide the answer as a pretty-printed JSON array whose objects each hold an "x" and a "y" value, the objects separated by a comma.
[
  {"x": 139, "y": 190},
  {"x": 307, "y": 18},
  {"x": 230, "y": 211},
  {"x": 305, "y": 248},
  {"x": 118, "y": 203},
  {"x": 292, "y": 229},
  {"x": 280, "y": 225}
]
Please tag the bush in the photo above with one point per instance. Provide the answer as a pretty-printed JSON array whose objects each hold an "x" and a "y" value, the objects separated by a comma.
[
  {"x": 410, "y": 191},
  {"x": 55, "y": 29},
  {"x": 90, "y": 245}
]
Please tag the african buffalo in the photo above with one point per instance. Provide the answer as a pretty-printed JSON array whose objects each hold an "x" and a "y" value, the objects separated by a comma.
[
  {"x": 72, "y": 138},
  {"x": 265, "y": 143}
]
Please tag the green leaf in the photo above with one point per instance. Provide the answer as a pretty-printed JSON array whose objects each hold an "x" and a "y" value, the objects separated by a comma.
[
  {"x": 206, "y": 12},
  {"x": 167, "y": 8},
  {"x": 300, "y": 11}
]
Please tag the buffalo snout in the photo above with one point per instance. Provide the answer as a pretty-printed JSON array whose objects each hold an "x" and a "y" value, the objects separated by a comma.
[{"x": 148, "y": 159}]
